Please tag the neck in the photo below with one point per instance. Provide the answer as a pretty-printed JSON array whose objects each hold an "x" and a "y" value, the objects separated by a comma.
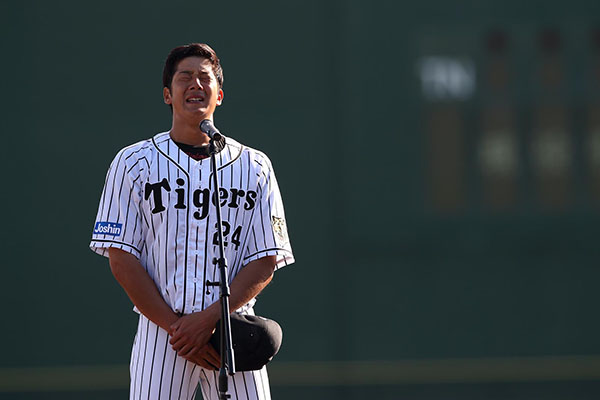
[{"x": 188, "y": 133}]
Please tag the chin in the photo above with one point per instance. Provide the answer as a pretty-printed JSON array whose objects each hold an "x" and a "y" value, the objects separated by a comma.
[{"x": 199, "y": 113}]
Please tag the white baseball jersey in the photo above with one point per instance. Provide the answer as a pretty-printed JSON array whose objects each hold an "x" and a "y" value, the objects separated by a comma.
[{"x": 159, "y": 204}]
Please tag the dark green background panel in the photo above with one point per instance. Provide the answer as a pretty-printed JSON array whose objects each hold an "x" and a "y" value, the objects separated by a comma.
[{"x": 332, "y": 92}]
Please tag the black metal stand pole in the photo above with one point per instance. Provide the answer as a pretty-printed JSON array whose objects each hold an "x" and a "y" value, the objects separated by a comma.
[{"x": 226, "y": 350}]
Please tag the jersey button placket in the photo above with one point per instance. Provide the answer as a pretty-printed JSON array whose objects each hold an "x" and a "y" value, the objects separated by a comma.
[
  {"x": 195, "y": 265},
  {"x": 207, "y": 228}
]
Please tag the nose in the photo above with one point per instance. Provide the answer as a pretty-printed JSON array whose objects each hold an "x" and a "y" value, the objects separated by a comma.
[{"x": 196, "y": 84}]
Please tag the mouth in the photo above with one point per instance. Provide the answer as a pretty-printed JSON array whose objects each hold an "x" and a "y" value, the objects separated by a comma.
[{"x": 195, "y": 100}]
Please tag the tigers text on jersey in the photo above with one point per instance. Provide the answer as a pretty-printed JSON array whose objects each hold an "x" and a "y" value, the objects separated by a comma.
[{"x": 159, "y": 205}]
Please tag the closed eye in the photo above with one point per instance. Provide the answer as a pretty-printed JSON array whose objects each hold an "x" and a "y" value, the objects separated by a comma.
[{"x": 184, "y": 75}]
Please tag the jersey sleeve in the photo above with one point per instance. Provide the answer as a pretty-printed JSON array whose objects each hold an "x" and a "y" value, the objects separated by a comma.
[
  {"x": 268, "y": 235},
  {"x": 118, "y": 222}
]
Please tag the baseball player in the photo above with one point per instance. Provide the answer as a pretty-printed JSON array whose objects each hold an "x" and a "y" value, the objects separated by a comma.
[{"x": 156, "y": 224}]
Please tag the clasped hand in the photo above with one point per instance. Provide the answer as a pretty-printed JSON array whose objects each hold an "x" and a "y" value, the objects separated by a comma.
[{"x": 190, "y": 335}]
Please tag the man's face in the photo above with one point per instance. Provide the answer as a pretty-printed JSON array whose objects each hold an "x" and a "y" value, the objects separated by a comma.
[{"x": 194, "y": 92}]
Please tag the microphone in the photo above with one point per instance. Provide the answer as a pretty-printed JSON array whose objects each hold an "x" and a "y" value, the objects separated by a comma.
[{"x": 209, "y": 128}]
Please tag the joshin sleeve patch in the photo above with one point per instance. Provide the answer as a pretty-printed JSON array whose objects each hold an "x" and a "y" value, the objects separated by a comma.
[{"x": 108, "y": 228}]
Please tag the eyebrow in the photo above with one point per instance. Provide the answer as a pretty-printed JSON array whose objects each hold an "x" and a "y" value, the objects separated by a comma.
[{"x": 188, "y": 72}]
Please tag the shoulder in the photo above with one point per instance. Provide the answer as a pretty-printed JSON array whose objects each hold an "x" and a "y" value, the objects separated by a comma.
[
  {"x": 139, "y": 151},
  {"x": 255, "y": 159}
]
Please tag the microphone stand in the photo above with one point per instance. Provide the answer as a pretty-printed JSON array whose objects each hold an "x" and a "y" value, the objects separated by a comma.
[{"x": 226, "y": 350}]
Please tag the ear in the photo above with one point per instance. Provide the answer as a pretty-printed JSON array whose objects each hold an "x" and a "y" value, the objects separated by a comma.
[
  {"x": 220, "y": 97},
  {"x": 167, "y": 95}
]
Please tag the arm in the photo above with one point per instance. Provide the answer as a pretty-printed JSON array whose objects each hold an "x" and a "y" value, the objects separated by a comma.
[
  {"x": 191, "y": 332},
  {"x": 140, "y": 288},
  {"x": 249, "y": 282}
]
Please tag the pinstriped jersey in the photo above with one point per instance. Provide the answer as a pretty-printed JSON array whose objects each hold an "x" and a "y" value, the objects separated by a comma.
[{"x": 159, "y": 205}]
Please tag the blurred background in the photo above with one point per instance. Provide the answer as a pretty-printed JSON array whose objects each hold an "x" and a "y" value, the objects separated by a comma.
[{"x": 439, "y": 163}]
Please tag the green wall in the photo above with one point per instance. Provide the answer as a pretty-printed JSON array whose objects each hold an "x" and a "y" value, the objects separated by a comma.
[{"x": 331, "y": 91}]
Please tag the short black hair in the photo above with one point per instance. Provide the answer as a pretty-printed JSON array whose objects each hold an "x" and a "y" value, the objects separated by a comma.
[{"x": 191, "y": 50}]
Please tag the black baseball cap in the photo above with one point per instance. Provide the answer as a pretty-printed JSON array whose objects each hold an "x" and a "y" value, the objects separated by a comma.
[{"x": 255, "y": 339}]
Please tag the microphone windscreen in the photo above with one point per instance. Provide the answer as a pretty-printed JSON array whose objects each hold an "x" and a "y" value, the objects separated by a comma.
[{"x": 209, "y": 128}]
